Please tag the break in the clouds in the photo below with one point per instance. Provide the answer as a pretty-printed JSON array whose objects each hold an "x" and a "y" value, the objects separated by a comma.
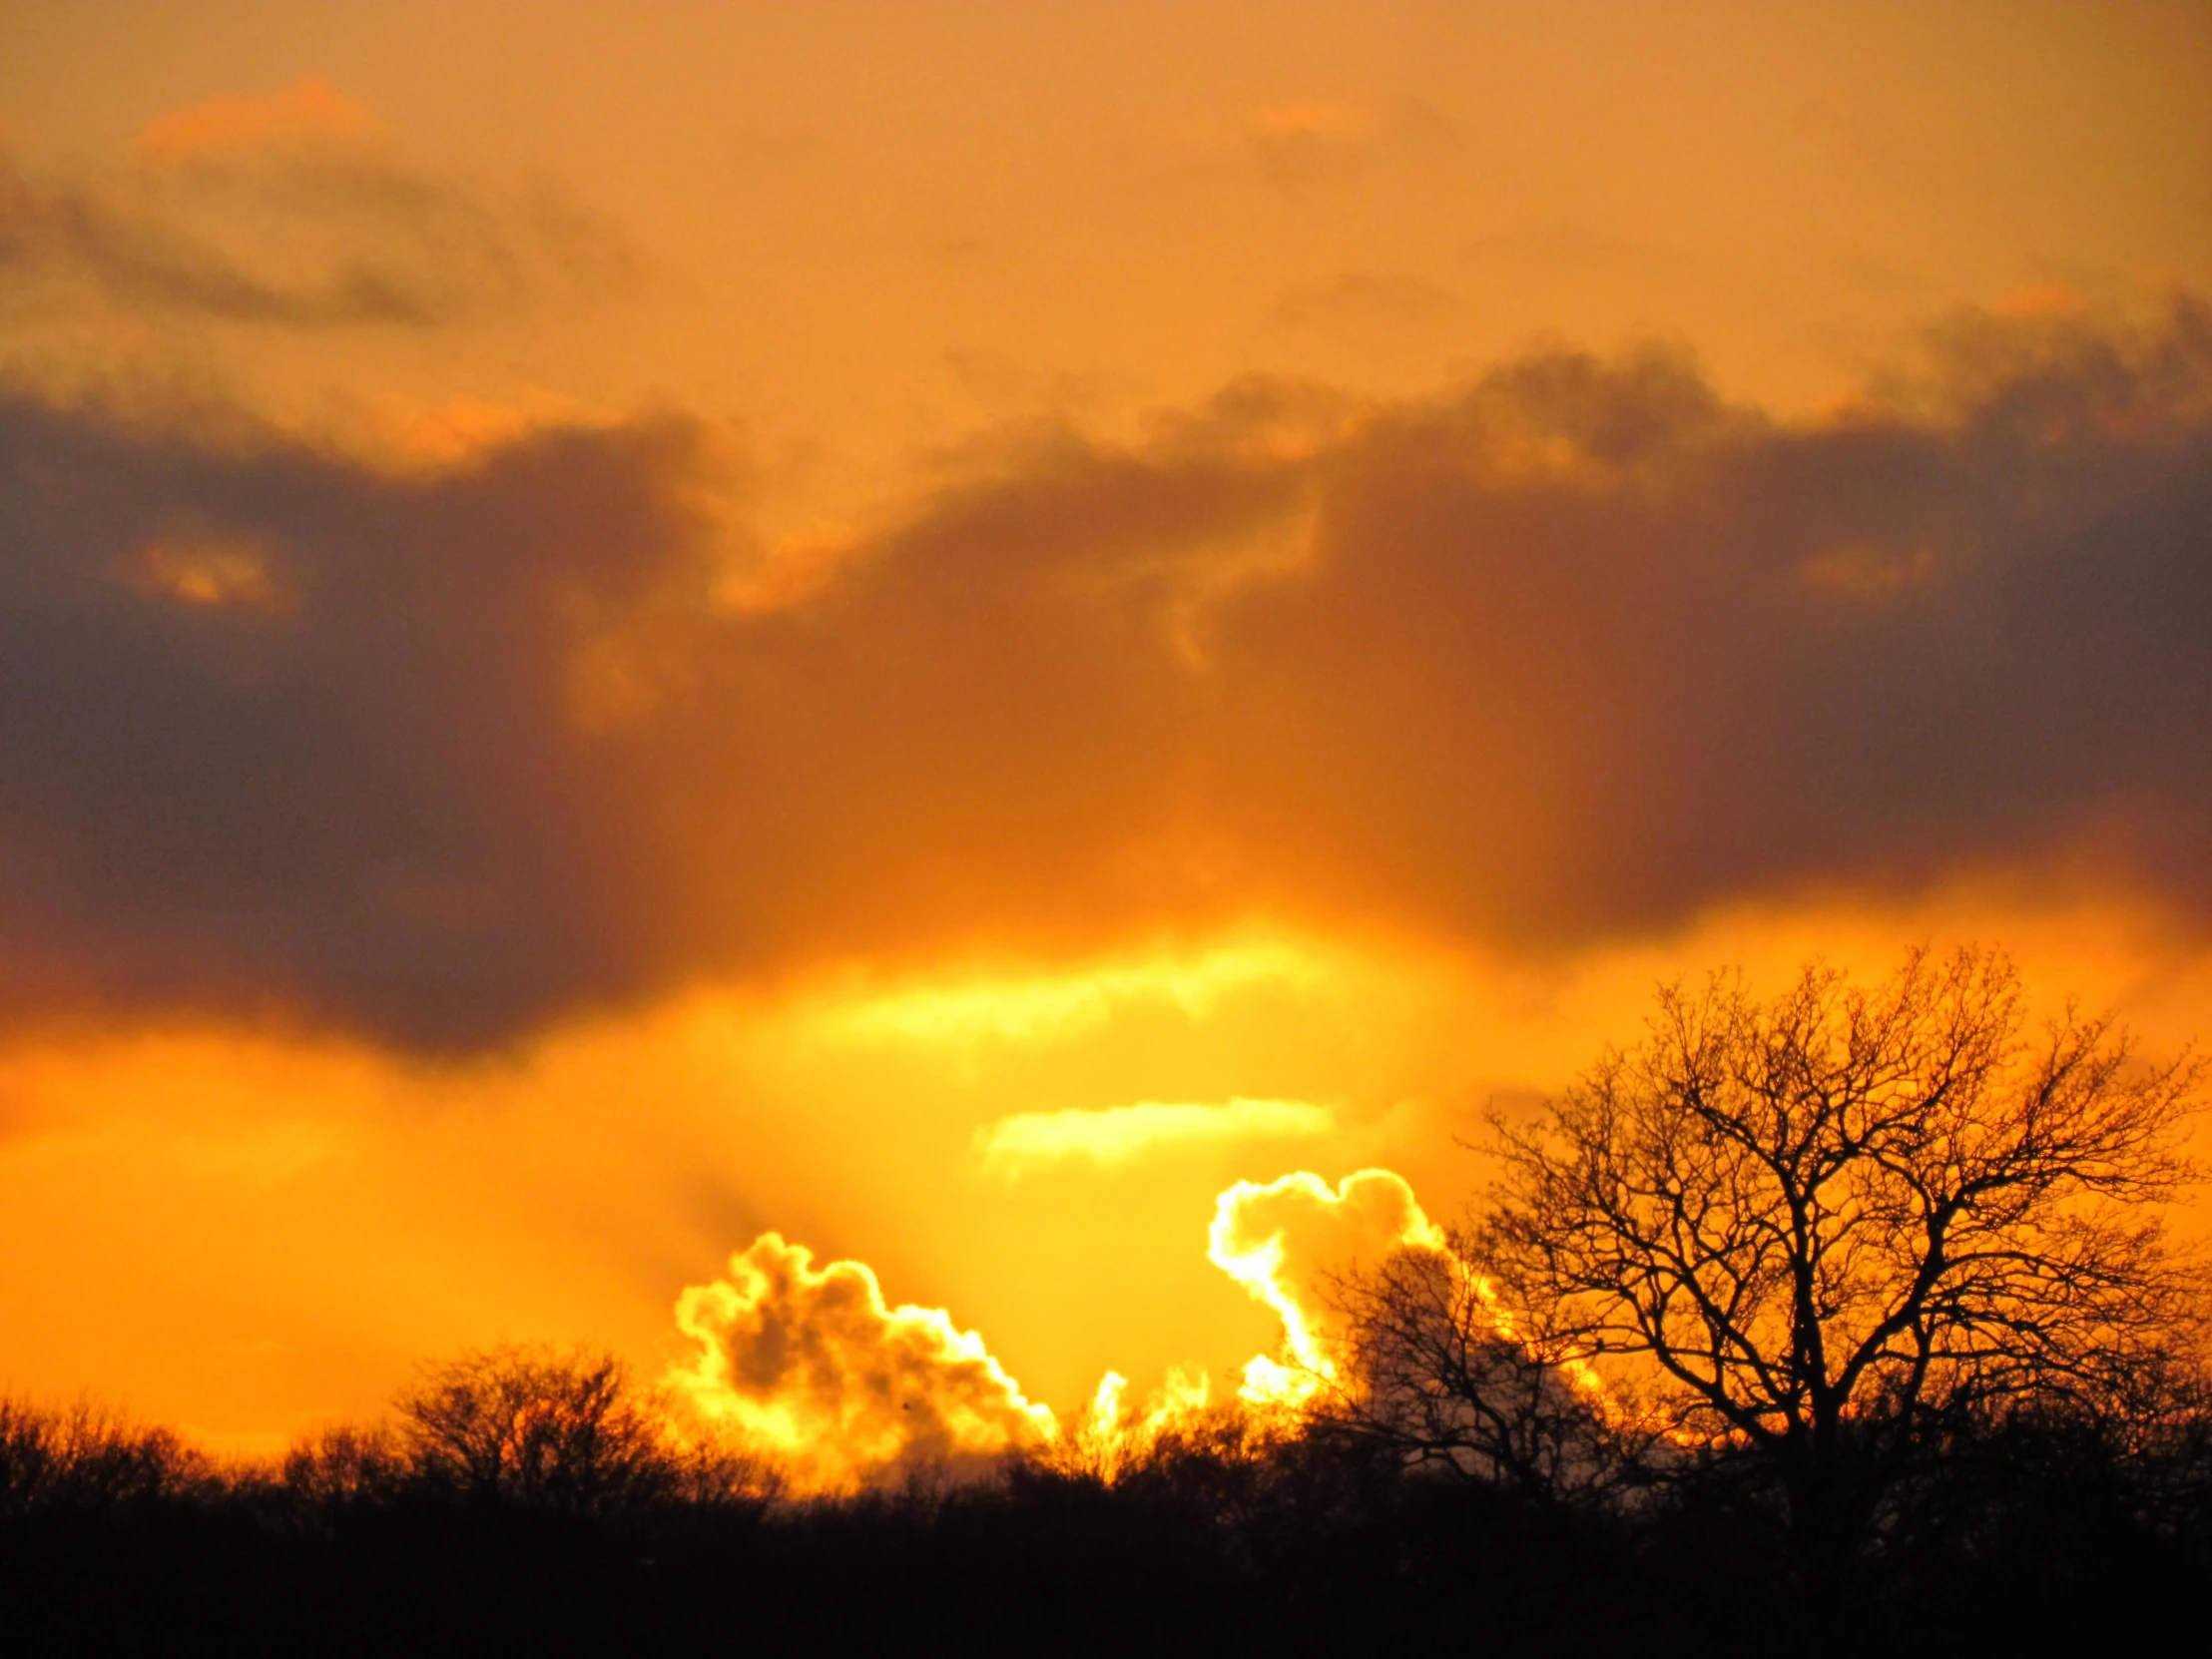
[
  {"x": 293, "y": 210},
  {"x": 1566, "y": 653}
]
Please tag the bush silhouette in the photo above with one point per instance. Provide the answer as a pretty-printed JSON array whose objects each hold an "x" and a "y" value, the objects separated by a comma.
[
  {"x": 84, "y": 1458},
  {"x": 539, "y": 1428}
]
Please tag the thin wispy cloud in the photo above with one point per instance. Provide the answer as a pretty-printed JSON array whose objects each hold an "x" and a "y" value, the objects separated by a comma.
[
  {"x": 295, "y": 210},
  {"x": 1117, "y": 1135}
]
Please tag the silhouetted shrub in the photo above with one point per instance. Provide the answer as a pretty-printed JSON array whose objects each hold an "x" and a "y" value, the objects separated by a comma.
[
  {"x": 539, "y": 1428},
  {"x": 83, "y": 1457}
]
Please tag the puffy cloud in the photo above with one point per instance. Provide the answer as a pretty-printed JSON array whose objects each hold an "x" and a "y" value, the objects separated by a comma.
[
  {"x": 1119, "y": 1134},
  {"x": 1283, "y": 1241},
  {"x": 1568, "y": 655},
  {"x": 1354, "y": 1273},
  {"x": 809, "y": 1366}
]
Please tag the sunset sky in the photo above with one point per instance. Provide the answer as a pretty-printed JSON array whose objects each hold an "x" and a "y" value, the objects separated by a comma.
[{"x": 941, "y": 630}]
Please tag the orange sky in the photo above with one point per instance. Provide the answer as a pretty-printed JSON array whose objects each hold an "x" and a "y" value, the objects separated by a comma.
[{"x": 944, "y": 629}]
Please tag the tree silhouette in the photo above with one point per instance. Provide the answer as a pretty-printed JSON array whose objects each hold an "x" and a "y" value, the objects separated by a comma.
[
  {"x": 84, "y": 1457},
  {"x": 530, "y": 1427},
  {"x": 539, "y": 1427},
  {"x": 1430, "y": 1373},
  {"x": 1829, "y": 1230}
]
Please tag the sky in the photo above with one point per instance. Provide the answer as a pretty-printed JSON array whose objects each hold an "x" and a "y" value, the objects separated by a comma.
[{"x": 671, "y": 674}]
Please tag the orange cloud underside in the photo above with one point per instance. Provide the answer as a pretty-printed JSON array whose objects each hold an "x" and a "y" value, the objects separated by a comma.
[{"x": 311, "y": 108}]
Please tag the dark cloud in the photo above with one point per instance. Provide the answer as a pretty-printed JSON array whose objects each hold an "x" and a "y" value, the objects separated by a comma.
[
  {"x": 1685, "y": 655},
  {"x": 368, "y": 799},
  {"x": 298, "y": 235},
  {"x": 1561, "y": 657}
]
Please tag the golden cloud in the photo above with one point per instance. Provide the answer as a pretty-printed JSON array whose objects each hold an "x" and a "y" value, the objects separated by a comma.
[
  {"x": 1282, "y": 1242},
  {"x": 1048, "y": 1007},
  {"x": 1119, "y": 1135},
  {"x": 811, "y": 1366}
]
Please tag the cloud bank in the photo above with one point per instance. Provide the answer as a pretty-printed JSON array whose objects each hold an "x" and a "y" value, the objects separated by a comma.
[{"x": 1565, "y": 654}]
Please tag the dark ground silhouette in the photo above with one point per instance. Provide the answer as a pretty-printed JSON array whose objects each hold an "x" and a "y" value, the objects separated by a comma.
[{"x": 120, "y": 1539}]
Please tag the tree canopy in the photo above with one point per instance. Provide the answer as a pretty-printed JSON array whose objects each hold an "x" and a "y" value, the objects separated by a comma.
[{"x": 1824, "y": 1231}]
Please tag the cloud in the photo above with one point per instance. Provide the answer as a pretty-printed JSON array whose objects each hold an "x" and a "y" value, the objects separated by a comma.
[
  {"x": 1283, "y": 1241},
  {"x": 289, "y": 733},
  {"x": 311, "y": 109},
  {"x": 808, "y": 1366},
  {"x": 1121, "y": 1134},
  {"x": 1562, "y": 656},
  {"x": 1302, "y": 142},
  {"x": 1055, "y": 1007},
  {"x": 292, "y": 211}
]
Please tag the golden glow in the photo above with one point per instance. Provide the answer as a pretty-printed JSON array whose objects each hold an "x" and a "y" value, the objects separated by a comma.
[
  {"x": 1115, "y": 1431},
  {"x": 1050, "y": 1007},
  {"x": 1279, "y": 1240},
  {"x": 1119, "y": 1134},
  {"x": 311, "y": 108},
  {"x": 222, "y": 1185},
  {"x": 811, "y": 1368},
  {"x": 209, "y": 571},
  {"x": 415, "y": 435},
  {"x": 809, "y": 1364}
]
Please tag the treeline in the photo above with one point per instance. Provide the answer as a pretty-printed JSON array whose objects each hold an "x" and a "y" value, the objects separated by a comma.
[{"x": 528, "y": 1501}]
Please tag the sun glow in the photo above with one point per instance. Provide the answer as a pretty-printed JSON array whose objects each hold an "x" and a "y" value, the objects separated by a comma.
[
  {"x": 811, "y": 1368},
  {"x": 809, "y": 1364},
  {"x": 1118, "y": 1134},
  {"x": 1042, "y": 1008},
  {"x": 311, "y": 109},
  {"x": 1281, "y": 1241}
]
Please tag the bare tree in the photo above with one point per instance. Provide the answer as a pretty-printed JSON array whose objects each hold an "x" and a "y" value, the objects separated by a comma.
[
  {"x": 1828, "y": 1229},
  {"x": 538, "y": 1425},
  {"x": 86, "y": 1458},
  {"x": 341, "y": 1464},
  {"x": 1434, "y": 1370}
]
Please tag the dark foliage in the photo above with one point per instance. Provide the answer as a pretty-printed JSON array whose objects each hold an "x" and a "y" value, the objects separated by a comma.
[{"x": 122, "y": 1541}]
